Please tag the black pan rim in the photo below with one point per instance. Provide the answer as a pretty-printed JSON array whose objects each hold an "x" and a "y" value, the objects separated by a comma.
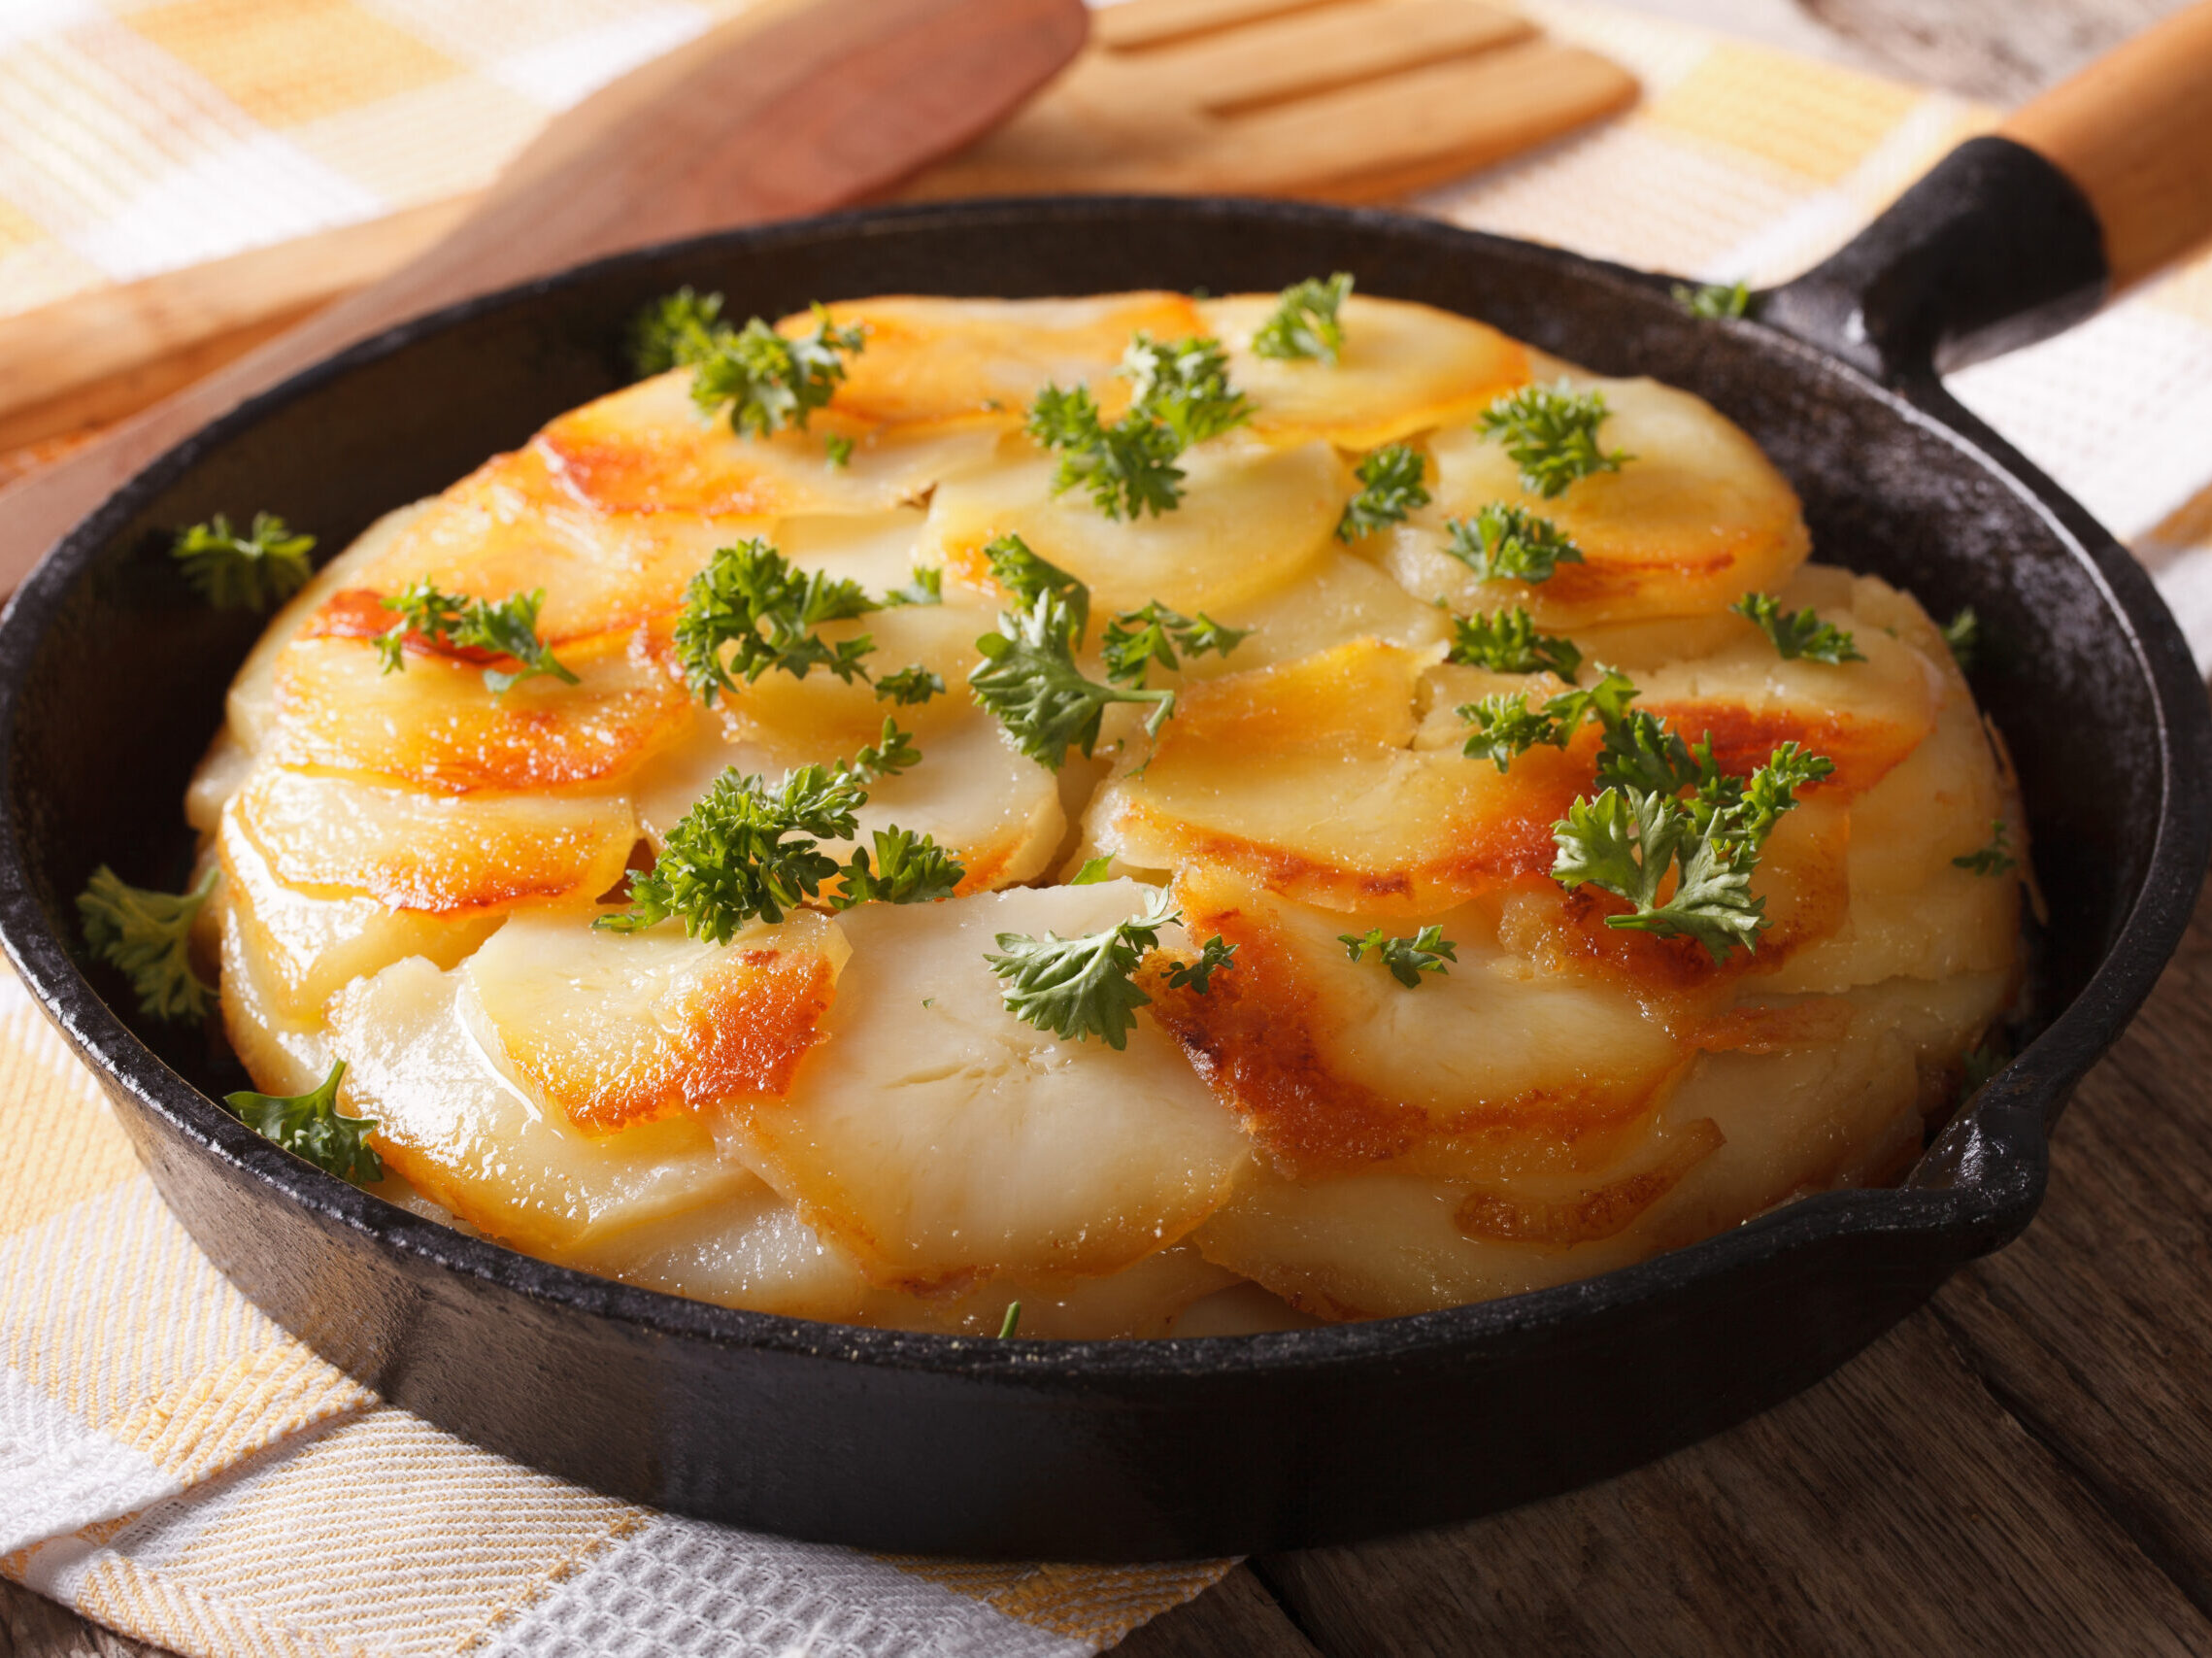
[{"x": 1996, "y": 1200}]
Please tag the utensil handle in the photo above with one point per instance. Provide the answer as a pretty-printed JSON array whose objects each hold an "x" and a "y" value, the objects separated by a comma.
[
  {"x": 2133, "y": 131},
  {"x": 2015, "y": 237}
]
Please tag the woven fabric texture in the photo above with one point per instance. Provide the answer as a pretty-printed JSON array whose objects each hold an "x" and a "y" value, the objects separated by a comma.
[{"x": 175, "y": 1465}]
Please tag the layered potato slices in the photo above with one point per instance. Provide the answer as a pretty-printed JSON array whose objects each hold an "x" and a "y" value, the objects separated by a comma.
[{"x": 1351, "y": 1026}]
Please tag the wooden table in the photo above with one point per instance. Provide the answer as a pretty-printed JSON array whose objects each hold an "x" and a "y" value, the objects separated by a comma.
[{"x": 2023, "y": 1468}]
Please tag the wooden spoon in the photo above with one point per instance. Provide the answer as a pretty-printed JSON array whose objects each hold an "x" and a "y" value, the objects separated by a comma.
[{"x": 794, "y": 107}]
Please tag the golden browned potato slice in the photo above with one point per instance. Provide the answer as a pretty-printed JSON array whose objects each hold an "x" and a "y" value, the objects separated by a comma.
[
  {"x": 1251, "y": 519},
  {"x": 1697, "y": 519},
  {"x": 940, "y": 1139},
  {"x": 1403, "y": 369}
]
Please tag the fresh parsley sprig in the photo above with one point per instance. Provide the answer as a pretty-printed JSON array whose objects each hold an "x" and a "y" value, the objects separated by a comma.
[
  {"x": 928, "y": 587},
  {"x": 1799, "y": 633},
  {"x": 1510, "y": 544},
  {"x": 1390, "y": 487},
  {"x": 1185, "y": 385},
  {"x": 770, "y": 381},
  {"x": 1028, "y": 678},
  {"x": 308, "y": 1126},
  {"x": 1712, "y": 301},
  {"x": 506, "y": 628},
  {"x": 1084, "y": 987},
  {"x": 675, "y": 330},
  {"x": 1995, "y": 858},
  {"x": 253, "y": 571},
  {"x": 1024, "y": 574},
  {"x": 750, "y": 611},
  {"x": 149, "y": 935},
  {"x": 1304, "y": 323},
  {"x": 888, "y": 755},
  {"x": 1426, "y": 952},
  {"x": 1182, "y": 396},
  {"x": 1551, "y": 433},
  {"x": 908, "y": 868},
  {"x": 1506, "y": 726},
  {"x": 1627, "y": 840},
  {"x": 1135, "y": 639},
  {"x": 1963, "y": 635},
  {"x": 1506, "y": 641}
]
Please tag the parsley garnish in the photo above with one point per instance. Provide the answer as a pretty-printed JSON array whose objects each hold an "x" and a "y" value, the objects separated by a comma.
[
  {"x": 149, "y": 935},
  {"x": 1426, "y": 952},
  {"x": 769, "y": 381},
  {"x": 891, "y": 753},
  {"x": 1995, "y": 858},
  {"x": 1629, "y": 838},
  {"x": 1506, "y": 641},
  {"x": 244, "y": 572},
  {"x": 1028, "y": 678},
  {"x": 1093, "y": 871},
  {"x": 1799, "y": 633},
  {"x": 1506, "y": 725},
  {"x": 1304, "y": 323},
  {"x": 1024, "y": 575},
  {"x": 750, "y": 598},
  {"x": 676, "y": 329},
  {"x": 837, "y": 448},
  {"x": 1078, "y": 988},
  {"x": 927, "y": 588},
  {"x": 1714, "y": 301},
  {"x": 908, "y": 869},
  {"x": 508, "y": 629},
  {"x": 1550, "y": 432},
  {"x": 1183, "y": 397},
  {"x": 1135, "y": 639},
  {"x": 1963, "y": 635},
  {"x": 1213, "y": 955},
  {"x": 1011, "y": 1322},
  {"x": 308, "y": 1126},
  {"x": 1510, "y": 544},
  {"x": 1390, "y": 487}
]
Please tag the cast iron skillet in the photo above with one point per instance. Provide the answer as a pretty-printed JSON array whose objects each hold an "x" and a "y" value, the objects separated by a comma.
[{"x": 111, "y": 683}]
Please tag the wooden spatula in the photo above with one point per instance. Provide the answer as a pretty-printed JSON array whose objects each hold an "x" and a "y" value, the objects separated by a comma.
[
  {"x": 1343, "y": 100},
  {"x": 793, "y": 107}
]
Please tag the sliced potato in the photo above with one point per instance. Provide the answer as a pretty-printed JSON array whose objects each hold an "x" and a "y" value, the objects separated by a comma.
[
  {"x": 941, "y": 1139},
  {"x": 1696, "y": 519},
  {"x": 1341, "y": 598},
  {"x": 1403, "y": 368},
  {"x": 418, "y": 1055},
  {"x": 617, "y": 1029}
]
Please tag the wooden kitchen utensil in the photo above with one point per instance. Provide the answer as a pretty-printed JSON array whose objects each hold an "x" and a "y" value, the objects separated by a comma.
[
  {"x": 794, "y": 107},
  {"x": 1340, "y": 100}
]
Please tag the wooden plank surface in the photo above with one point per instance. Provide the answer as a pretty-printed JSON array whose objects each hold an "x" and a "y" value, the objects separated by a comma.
[{"x": 2022, "y": 1469}]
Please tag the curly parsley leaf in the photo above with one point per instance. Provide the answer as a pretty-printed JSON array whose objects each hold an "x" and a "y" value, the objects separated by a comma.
[
  {"x": 1506, "y": 725},
  {"x": 253, "y": 571},
  {"x": 1213, "y": 956},
  {"x": 506, "y": 629},
  {"x": 1799, "y": 633},
  {"x": 1128, "y": 468},
  {"x": 1426, "y": 952},
  {"x": 308, "y": 1126},
  {"x": 1509, "y": 544},
  {"x": 888, "y": 755},
  {"x": 928, "y": 587},
  {"x": 1714, "y": 301},
  {"x": 1024, "y": 575},
  {"x": 745, "y": 851},
  {"x": 1084, "y": 987},
  {"x": 149, "y": 935},
  {"x": 1506, "y": 641},
  {"x": 1963, "y": 635},
  {"x": 910, "y": 686},
  {"x": 1641, "y": 751},
  {"x": 907, "y": 869},
  {"x": 1304, "y": 323},
  {"x": 1551, "y": 433},
  {"x": 1995, "y": 858},
  {"x": 1185, "y": 385},
  {"x": 1390, "y": 487},
  {"x": 676, "y": 329},
  {"x": 770, "y": 381},
  {"x": 1093, "y": 871},
  {"x": 1135, "y": 639},
  {"x": 749, "y": 596},
  {"x": 1028, "y": 678}
]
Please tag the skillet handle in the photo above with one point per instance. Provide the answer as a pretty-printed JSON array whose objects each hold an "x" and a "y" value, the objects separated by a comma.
[{"x": 2009, "y": 239}]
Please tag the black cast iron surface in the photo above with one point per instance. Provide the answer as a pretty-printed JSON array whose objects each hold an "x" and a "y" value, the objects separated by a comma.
[{"x": 111, "y": 676}]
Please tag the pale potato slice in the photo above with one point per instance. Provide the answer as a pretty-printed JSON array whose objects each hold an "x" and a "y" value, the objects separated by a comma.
[
  {"x": 1697, "y": 519},
  {"x": 283, "y": 1050},
  {"x": 308, "y": 948},
  {"x": 1487, "y": 1070},
  {"x": 336, "y": 838},
  {"x": 1745, "y": 1130},
  {"x": 929, "y": 359},
  {"x": 436, "y": 725},
  {"x": 648, "y": 449},
  {"x": 880, "y": 551},
  {"x": 1251, "y": 519},
  {"x": 420, "y": 1061},
  {"x": 617, "y": 1029},
  {"x": 941, "y": 1139},
  {"x": 1341, "y": 598},
  {"x": 1403, "y": 369},
  {"x": 510, "y": 527}
]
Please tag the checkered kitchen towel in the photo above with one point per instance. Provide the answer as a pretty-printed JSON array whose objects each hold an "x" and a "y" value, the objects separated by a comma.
[{"x": 174, "y": 1465}]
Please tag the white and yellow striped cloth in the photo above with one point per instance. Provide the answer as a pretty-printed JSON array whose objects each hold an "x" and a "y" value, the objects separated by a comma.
[{"x": 171, "y": 1462}]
